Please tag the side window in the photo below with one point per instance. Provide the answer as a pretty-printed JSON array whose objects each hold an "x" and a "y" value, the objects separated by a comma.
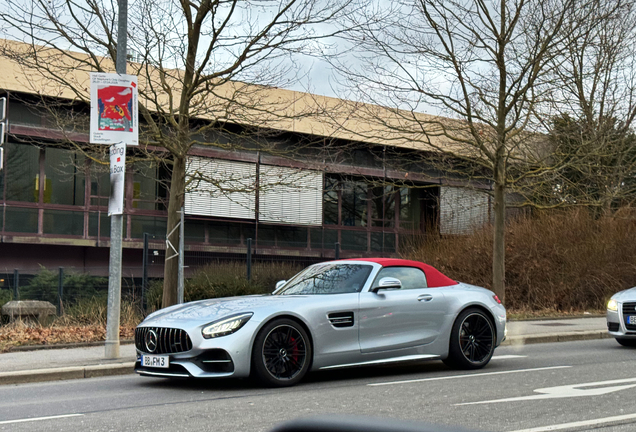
[{"x": 411, "y": 277}]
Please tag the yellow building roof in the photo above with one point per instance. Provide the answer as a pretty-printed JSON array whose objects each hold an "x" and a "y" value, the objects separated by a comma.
[{"x": 66, "y": 75}]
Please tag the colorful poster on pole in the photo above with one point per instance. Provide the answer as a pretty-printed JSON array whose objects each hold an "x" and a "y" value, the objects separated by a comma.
[
  {"x": 117, "y": 173},
  {"x": 114, "y": 116}
]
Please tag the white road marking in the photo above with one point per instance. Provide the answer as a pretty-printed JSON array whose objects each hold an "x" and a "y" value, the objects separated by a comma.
[
  {"x": 506, "y": 357},
  {"x": 39, "y": 418},
  {"x": 595, "y": 422},
  {"x": 469, "y": 375},
  {"x": 568, "y": 391}
]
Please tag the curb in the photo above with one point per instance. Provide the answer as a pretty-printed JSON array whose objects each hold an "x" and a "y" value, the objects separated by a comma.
[
  {"x": 21, "y": 348},
  {"x": 557, "y": 318},
  {"x": 561, "y": 337},
  {"x": 66, "y": 373}
]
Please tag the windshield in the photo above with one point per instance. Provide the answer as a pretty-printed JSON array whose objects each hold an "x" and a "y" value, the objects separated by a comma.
[{"x": 327, "y": 279}]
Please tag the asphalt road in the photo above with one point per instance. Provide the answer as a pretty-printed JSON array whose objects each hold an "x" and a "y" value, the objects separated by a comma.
[{"x": 531, "y": 388}]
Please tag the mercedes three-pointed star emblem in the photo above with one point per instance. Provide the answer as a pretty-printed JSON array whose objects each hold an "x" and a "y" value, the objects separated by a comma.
[{"x": 151, "y": 341}]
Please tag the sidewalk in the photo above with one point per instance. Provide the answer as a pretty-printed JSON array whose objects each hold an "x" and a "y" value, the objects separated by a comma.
[
  {"x": 88, "y": 362},
  {"x": 552, "y": 330}
]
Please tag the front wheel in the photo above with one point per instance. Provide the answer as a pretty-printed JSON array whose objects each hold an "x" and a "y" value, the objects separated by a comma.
[
  {"x": 281, "y": 354},
  {"x": 472, "y": 340},
  {"x": 626, "y": 342}
]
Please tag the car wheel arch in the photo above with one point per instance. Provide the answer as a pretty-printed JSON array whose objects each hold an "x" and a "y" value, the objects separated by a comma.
[
  {"x": 483, "y": 309},
  {"x": 294, "y": 318}
]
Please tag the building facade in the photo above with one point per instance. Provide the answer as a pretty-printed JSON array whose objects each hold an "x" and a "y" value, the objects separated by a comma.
[{"x": 54, "y": 201}]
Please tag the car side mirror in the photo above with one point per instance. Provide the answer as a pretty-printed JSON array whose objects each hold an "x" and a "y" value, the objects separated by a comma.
[
  {"x": 280, "y": 283},
  {"x": 387, "y": 283}
]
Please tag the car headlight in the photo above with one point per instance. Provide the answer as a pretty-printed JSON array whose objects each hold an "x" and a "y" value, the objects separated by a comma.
[
  {"x": 612, "y": 305},
  {"x": 225, "y": 326}
]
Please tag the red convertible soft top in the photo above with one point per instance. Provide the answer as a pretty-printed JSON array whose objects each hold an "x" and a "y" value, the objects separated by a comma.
[{"x": 434, "y": 278}]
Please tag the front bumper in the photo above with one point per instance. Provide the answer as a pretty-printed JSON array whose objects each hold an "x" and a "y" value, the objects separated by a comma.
[
  {"x": 221, "y": 357},
  {"x": 214, "y": 363}
]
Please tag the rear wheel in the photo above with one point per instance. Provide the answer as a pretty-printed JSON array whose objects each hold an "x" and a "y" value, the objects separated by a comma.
[
  {"x": 281, "y": 354},
  {"x": 626, "y": 342},
  {"x": 472, "y": 341}
]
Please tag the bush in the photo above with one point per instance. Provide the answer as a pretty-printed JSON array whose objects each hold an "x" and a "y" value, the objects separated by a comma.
[
  {"x": 154, "y": 294},
  {"x": 5, "y": 296},
  {"x": 227, "y": 279},
  {"x": 77, "y": 286},
  {"x": 563, "y": 261},
  {"x": 94, "y": 311}
]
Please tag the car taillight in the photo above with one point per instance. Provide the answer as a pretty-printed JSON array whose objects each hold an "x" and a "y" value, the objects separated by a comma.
[{"x": 496, "y": 299}]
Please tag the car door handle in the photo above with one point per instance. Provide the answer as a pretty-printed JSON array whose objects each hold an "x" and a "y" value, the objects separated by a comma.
[{"x": 425, "y": 297}]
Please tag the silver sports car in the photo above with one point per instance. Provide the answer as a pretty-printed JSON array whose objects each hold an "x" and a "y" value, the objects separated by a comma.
[
  {"x": 621, "y": 317},
  {"x": 335, "y": 314}
]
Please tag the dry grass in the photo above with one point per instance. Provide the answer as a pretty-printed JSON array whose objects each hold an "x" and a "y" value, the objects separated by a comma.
[
  {"x": 559, "y": 262},
  {"x": 82, "y": 322},
  {"x": 19, "y": 333}
]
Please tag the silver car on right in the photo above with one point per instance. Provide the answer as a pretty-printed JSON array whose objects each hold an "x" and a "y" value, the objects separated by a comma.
[{"x": 621, "y": 317}]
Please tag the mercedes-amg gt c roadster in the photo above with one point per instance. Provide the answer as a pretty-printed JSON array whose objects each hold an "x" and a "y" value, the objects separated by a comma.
[{"x": 334, "y": 314}]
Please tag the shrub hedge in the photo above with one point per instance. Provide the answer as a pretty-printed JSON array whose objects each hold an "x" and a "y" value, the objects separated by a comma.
[{"x": 564, "y": 261}]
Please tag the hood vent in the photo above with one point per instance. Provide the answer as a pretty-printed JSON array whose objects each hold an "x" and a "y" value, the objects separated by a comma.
[{"x": 341, "y": 319}]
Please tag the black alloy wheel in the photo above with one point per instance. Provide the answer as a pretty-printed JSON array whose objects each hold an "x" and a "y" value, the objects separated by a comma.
[
  {"x": 472, "y": 340},
  {"x": 281, "y": 354}
]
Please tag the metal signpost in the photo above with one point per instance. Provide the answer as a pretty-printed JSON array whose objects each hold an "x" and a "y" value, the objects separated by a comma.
[{"x": 114, "y": 121}]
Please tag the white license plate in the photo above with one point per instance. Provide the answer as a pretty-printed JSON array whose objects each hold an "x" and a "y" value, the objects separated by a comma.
[
  {"x": 155, "y": 361},
  {"x": 631, "y": 319}
]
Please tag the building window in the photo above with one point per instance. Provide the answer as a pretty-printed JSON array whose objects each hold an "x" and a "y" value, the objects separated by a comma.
[
  {"x": 291, "y": 237},
  {"x": 64, "y": 179},
  {"x": 99, "y": 222},
  {"x": 194, "y": 231},
  {"x": 354, "y": 240},
  {"x": 149, "y": 188},
  {"x": 354, "y": 203},
  {"x": 410, "y": 208},
  {"x": 100, "y": 184},
  {"x": 22, "y": 172},
  {"x": 63, "y": 222},
  {"x": 155, "y": 226},
  {"x": 22, "y": 220},
  {"x": 224, "y": 233},
  {"x": 330, "y": 201},
  {"x": 220, "y": 188},
  {"x": 290, "y": 196}
]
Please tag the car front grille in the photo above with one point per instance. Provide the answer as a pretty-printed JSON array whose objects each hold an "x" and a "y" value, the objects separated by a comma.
[
  {"x": 628, "y": 310},
  {"x": 169, "y": 340}
]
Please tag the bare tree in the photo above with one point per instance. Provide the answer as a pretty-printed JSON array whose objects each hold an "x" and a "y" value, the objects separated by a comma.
[
  {"x": 481, "y": 67},
  {"x": 592, "y": 129},
  {"x": 204, "y": 66}
]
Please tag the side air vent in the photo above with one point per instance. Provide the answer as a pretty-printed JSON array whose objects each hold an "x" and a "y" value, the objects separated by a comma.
[{"x": 341, "y": 319}]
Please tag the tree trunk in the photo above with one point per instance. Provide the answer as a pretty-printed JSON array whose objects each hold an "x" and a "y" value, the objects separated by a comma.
[
  {"x": 171, "y": 266},
  {"x": 499, "y": 239}
]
